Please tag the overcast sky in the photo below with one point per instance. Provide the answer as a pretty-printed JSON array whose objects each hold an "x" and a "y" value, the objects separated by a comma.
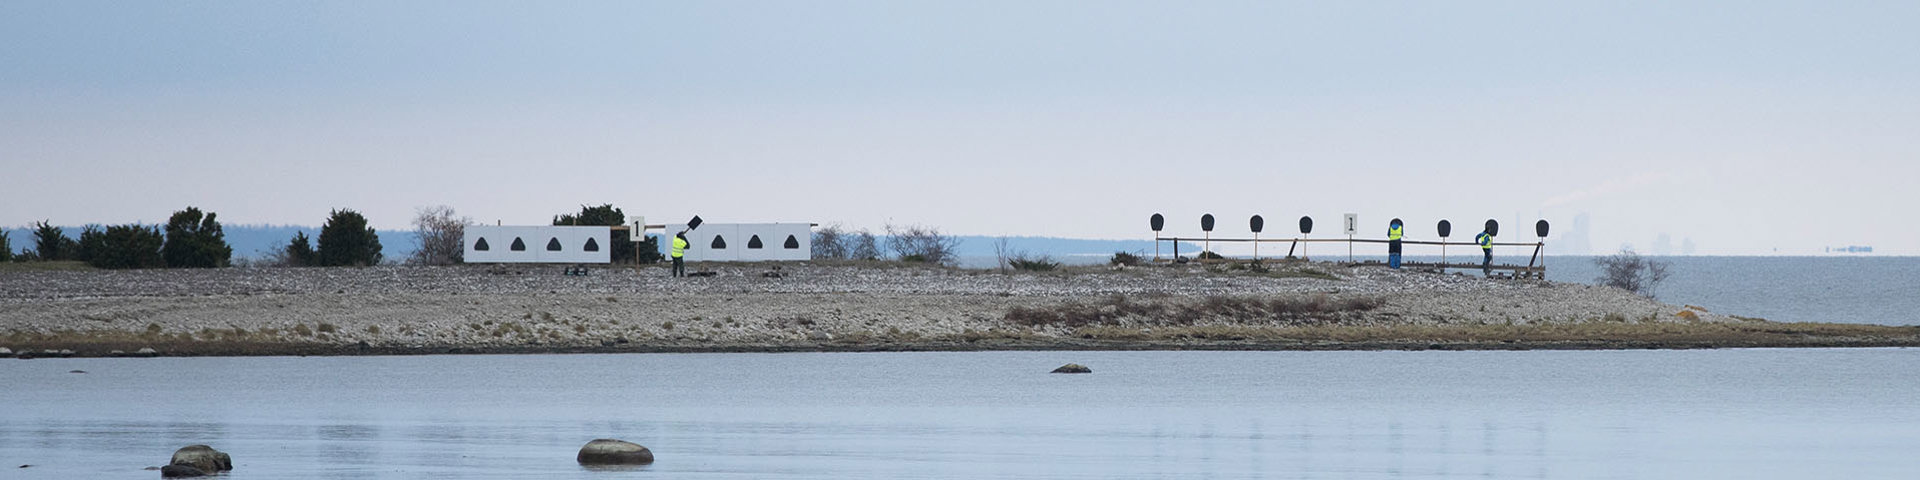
[{"x": 1743, "y": 126}]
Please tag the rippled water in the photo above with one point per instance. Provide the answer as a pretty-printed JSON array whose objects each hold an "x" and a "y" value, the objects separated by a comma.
[{"x": 1816, "y": 413}]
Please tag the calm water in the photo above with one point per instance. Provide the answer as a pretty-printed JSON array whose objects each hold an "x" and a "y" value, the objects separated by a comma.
[
  {"x": 1813, "y": 413},
  {"x": 1883, "y": 290}
]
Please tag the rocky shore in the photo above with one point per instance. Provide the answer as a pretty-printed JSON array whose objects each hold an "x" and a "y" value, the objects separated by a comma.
[{"x": 851, "y": 307}]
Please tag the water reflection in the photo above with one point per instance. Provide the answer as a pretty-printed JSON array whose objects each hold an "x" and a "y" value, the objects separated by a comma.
[{"x": 1146, "y": 415}]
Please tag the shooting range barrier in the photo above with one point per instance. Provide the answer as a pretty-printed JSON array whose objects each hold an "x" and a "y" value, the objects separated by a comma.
[
  {"x": 538, "y": 244},
  {"x": 1535, "y": 268}
]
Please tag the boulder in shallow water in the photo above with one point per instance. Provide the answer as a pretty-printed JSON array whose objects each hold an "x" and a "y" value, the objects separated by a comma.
[
  {"x": 1073, "y": 368},
  {"x": 6, "y": 351},
  {"x": 146, "y": 352},
  {"x": 607, "y": 451},
  {"x": 181, "y": 471},
  {"x": 202, "y": 457}
]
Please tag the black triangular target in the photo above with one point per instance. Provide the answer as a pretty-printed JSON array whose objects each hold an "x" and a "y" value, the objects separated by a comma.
[
  {"x": 719, "y": 243},
  {"x": 480, "y": 246},
  {"x": 593, "y": 245},
  {"x": 793, "y": 243},
  {"x": 553, "y": 244},
  {"x": 754, "y": 242},
  {"x": 518, "y": 245}
]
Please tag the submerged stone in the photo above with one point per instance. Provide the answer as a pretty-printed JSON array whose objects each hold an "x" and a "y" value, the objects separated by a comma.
[
  {"x": 607, "y": 451},
  {"x": 202, "y": 457},
  {"x": 1073, "y": 368}
]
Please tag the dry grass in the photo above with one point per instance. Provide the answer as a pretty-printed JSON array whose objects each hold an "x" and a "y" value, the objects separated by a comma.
[
  {"x": 1662, "y": 333},
  {"x": 1285, "y": 309},
  {"x": 60, "y": 266}
]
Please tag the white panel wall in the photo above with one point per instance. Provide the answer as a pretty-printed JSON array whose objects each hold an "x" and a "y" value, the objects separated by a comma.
[
  {"x": 572, "y": 242},
  {"x": 738, "y": 236}
]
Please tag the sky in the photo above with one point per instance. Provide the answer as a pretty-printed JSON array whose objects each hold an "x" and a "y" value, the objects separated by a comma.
[{"x": 1744, "y": 128}]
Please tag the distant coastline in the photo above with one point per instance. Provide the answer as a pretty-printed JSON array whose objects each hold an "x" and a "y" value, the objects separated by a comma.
[{"x": 853, "y": 306}]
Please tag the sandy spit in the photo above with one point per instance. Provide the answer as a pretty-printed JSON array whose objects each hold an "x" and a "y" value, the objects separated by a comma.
[{"x": 838, "y": 307}]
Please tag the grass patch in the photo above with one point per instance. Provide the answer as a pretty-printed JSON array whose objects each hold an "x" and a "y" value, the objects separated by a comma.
[
  {"x": 1286, "y": 309},
  {"x": 60, "y": 266}
]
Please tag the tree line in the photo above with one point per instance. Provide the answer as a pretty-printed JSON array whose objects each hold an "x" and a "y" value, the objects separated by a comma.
[{"x": 192, "y": 238}]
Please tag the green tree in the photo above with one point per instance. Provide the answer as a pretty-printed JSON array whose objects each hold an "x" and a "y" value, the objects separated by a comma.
[
  {"x": 52, "y": 242},
  {"x": 123, "y": 246},
  {"x": 299, "y": 252},
  {"x": 91, "y": 240},
  {"x": 623, "y": 244},
  {"x": 195, "y": 240},
  {"x": 6, "y": 247},
  {"x": 346, "y": 240}
]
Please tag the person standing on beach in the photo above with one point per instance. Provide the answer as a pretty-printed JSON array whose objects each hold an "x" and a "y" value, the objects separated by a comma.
[
  {"x": 1486, "y": 246},
  {"x": 1395, "y": 230},
  {"x": 679, "y": 250}
]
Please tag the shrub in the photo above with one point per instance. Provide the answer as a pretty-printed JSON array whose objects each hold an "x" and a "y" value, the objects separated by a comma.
[
  {"x": 52, "y": 243},
  {"x": 298, "y": 252},
  {"x": 1125, "y": 258},
  {"x": 1209, "y": 255},
  {"x": 441, "y": 235},
  {"x": 865, "y": 246},
  {"x": 623, "y": 244},
  {"x": 1631, "y": 272},
  {"x": 195, "y": 241},
  {"x": 346, "y": 240},
  {"x": 6, "y": 247},
  {"x": 1032, "y": 263},
  {"x": 1041, "y": 264},
  {"x": 917, "y": 243},
  {"x": 831, "y": 243},
  {"x": 124, "y": 246}
]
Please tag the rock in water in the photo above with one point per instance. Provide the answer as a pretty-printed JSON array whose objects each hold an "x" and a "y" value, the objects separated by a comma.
[
  {"x": 202, "y": 457},
  {"x": 1073, "y": 368},
  {"x": 607, "y": 451},
  {"x": 181, "y": 471},
  {"x": 6, "y": 351},
  {"x": 147, "y": 352}
]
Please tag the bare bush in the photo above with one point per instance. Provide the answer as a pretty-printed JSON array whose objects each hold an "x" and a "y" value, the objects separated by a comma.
[
  {"x": 1125, "y": 258},
  {"x": 1631, "y": 272},
  {"x": 835, "y": 242},
  {"x": 865, "y": 246},
  {"x": 831, "y": 242},
  {"x": 916, "y": 243},
  {"x": 441, "y": 234},
  {"x": 1001, "y": 253}
]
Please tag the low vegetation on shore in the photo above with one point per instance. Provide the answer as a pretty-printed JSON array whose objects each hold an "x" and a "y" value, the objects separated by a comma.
[{"x": 853, "y": 305}]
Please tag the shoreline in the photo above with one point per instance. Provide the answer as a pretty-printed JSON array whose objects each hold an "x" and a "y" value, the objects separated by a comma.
[{"x": 855, "y": 307}]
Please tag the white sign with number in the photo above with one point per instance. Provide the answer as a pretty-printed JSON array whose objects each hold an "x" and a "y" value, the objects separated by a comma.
[{"x": 1353, "y": 223}]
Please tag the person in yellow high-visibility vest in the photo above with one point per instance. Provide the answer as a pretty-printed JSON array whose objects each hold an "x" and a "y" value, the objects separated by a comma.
[
  {"x": 679, "y": 250},
  {"x": 1486, "y": 246},
  {"x": 1395, "y": 230}
]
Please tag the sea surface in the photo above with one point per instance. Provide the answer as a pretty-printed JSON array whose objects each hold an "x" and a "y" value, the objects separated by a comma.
[
  {"x": 1851, "y": 289},
  {"x": 1790, "y": 413}
]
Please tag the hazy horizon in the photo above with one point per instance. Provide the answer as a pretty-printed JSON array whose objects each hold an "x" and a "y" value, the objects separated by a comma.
[{"x": 1757, "y": 129}]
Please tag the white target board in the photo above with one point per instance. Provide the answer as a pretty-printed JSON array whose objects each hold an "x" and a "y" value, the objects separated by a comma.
[
  {"x": 538, "y": 244},
  {"x": 744, "y": 242}
]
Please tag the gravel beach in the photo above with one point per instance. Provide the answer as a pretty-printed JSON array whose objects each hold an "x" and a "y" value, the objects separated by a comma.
[{"x": 849, "y": 306}]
